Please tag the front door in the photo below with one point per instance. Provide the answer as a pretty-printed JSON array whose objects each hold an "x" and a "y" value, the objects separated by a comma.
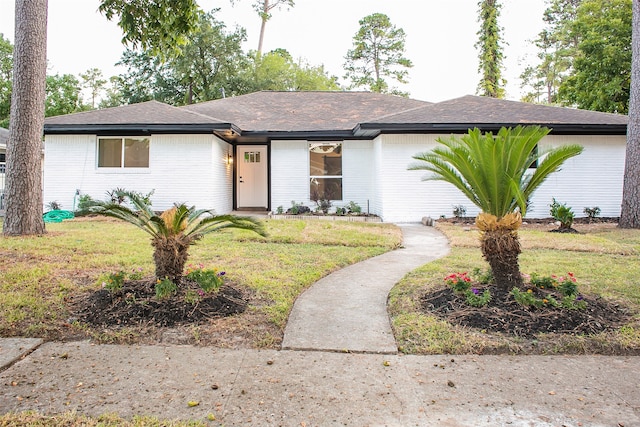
[{"x": 251, "y": 181}]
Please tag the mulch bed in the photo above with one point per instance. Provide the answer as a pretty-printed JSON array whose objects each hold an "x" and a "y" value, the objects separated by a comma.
[
  {"x": 504, "y": 314},
  {"x": 136, "y": 304}
]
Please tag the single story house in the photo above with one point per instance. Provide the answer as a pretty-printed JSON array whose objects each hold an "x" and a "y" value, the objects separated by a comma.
[{"x": 266, "y": 149}]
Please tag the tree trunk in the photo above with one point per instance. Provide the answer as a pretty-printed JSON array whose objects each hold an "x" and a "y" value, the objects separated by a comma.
[
  {"x": 630, "y": 210},
  {"x": 170, "y": 256},
  {"x": 24, "y": 149},
  {"x": 501, "y": 248},
  {"x": 264, "y": 16}
]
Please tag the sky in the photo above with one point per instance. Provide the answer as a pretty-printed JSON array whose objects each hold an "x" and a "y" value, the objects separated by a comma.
[{"x": 440, "y": 37}]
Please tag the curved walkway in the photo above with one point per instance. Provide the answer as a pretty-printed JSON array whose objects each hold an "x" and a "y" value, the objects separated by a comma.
[{"x": 347, "y": 310}]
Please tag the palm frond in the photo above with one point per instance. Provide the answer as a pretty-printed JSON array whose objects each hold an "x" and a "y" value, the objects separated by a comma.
[{"x": 492, "y": 171}]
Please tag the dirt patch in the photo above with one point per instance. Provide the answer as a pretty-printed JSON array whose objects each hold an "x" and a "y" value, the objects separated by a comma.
[{"x": 503, "y": 314}]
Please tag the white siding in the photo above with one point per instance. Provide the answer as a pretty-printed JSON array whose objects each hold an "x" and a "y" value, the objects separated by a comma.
[
  {"x": 592, "y": 179},
  {"x": 290, "y": 173},
  {"x": 357, "y": 174},
  {"x": 182, "y": 168}
]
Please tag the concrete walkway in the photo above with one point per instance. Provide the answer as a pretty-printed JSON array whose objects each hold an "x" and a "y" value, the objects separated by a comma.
[
  {"x": 347, "y": 310},
  {"x": 296, "y": 388}
]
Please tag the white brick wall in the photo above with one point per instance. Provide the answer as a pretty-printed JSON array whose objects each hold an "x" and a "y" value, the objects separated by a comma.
[{"x": 202, "y": 178}]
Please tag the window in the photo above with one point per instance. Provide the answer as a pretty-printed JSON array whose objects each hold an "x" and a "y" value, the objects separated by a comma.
[
  {"x": 325, "y": 170},
  {"x": 123, "y": 152}
]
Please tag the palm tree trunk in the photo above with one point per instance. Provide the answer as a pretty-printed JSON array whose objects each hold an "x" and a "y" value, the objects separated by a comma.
[
  {"x": 170, "y": 256},
  {"x": 501, "y": 248}
]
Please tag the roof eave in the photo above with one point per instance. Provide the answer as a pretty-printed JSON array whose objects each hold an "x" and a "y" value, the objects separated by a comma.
[
  {"x": 374, "y": 129},
  {"x": 137, "y": 129}
]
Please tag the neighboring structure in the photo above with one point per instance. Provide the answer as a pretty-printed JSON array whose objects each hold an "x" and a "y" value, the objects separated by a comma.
[{"x": 267, "y": 149}]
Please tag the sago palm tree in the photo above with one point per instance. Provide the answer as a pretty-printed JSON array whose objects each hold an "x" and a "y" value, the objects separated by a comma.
[
  {"x": 494, "y": 172},
  {"x": 174, "y": 230}
]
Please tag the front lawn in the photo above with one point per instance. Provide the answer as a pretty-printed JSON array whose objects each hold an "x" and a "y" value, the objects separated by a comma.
[
  {"x": 41, "y": 276},
  {"x": 604, "y": 259}
]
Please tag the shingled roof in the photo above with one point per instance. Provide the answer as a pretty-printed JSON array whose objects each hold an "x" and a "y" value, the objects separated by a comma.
[
  {"x": 150, "y": 116},
  {"x": 271, "y": 111},
  {"x": 489, "y": 114},
  {"x": 261, "y": 116}
]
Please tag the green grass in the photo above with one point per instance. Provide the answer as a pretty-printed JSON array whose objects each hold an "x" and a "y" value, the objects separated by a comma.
[
  {"x": 606, "y": 262},
  {"x": 38, "y": 275}
]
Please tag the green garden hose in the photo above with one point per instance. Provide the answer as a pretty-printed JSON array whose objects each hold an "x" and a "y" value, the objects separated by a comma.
[{"x": 57, "y": 216}]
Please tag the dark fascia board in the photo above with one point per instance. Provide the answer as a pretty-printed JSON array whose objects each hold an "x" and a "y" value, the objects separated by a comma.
[
  {"x": 306, "y": 135},
  {"x": 371, "y": 130},
  {"x": 138, "y": 129}
]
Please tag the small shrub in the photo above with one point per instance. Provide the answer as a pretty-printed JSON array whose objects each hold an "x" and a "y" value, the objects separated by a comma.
[
  {"x": 592, "y": 213},
  {"x": 341, "y": 211},
  {"x": 460, "y": 282},
  {"x": 208, "y": 280},
  {"x": 477, "y": 299},
  {"x": 484, "y": 277},
  {"x": 459, "y": 211},
  {"x": 354, "y": 208},
  {"x": 165, "y": 288},
  {"x": 85, "y": 201},
  {"x": 323, "y": 205},
  {"x": 562, "y": 213},
  {"x": 297, "y": 208},
  {"x": 542, "y": 282},
  {"x": 54, "y": 206},
  {"x": 280, "y": 210},
  {"x": 114, "y": 281}
]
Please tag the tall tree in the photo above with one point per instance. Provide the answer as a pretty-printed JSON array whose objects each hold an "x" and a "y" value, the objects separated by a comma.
[
  {"x": 92, "y": 80},
  {"x": 492, "y": 82},
  {"x": 493, "y": 172},
  {"x": 277, "y": 70},
  {"x": 557, "y": 49},
  {"x": 264, "y": 9},
  {"x": 6, "y": 77},
  {"x": 600, "y": 79},
  {"x": 23, "y": 187},
  {"x": 62, "y": 95},
  {"x": 630, "y": 213},
  {"x": 161, "y": 25},
  {"x": 377, "y": 54},
  {"x": 207, "y": 65}
]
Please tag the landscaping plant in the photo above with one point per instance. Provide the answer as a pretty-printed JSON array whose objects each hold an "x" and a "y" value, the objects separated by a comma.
[
  {"x": 174, "y": 230},
  {"x": 563, "y": 214},
  {"x": 493, "y": 172}
]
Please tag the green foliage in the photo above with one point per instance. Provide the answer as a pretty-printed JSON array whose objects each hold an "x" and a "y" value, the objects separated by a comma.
[
  {"x": 6, "y": 79},
  {"x": 84, "y": 202},
  {"x": 562, "y": 213},
  {"x": 277, "y": 70},
  {"x": 489, "y": 43},
  {"x": 54, "y": 205},
  {"x": 377, "y": 55},
  {"x": 165, "y": 288},
  {"x": 601, "y": 74},
  {"x": 209, "y": 280},
  {"x": 459, "y": 211},
  {"x": 114, "y": 281},
  {"x": 459, "y": 282},
  {"x": 483, "y": 277},
  {"x": 592, "y": 213},
  {"x": 208, "y": 64},
  {"x": 92, "y": 80},
  {"x": 162, "y": 26},
  {"x": 557, "y": 50},
  {"x": 353, "y": 207},
  {"x": 492, "y": 171},
  {"x": 476, "y": 299},
  {"x": 63, "y": 95}
]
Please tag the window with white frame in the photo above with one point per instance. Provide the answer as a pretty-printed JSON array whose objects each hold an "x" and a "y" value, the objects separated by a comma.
[
  {"x": 126, "y": 152},
  {"x": 325, "y": 170}
]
